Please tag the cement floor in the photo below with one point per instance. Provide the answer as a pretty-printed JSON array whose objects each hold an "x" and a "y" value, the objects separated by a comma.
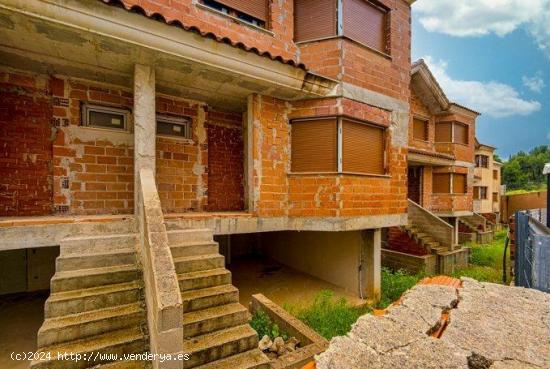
[
  {"x": 20, "y": 319},
  {"x": 280, "y": 283}
]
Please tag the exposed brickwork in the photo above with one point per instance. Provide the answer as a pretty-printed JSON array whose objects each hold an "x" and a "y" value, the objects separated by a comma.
[
  {"x": 225, "y": 162},
  {"x": 421, "y": 111},
  {"x": 399, "y": 240},
  {"x": 97, "y": 164},
  {"x": 25, "y": 145},
  {"x": 180, "y": 162},
  {"x": 349, "y": 61},
  {"x": 278, "y": 41}
]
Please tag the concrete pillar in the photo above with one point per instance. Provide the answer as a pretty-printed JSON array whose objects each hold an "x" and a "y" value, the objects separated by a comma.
[
  {"x": 456, "y": 226},
  {"x": 371, "y": 260},
  {"x": 250, "y": 193},
  {"x": 144, "y": 124}
]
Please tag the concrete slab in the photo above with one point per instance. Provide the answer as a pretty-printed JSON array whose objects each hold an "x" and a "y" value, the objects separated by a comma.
[{"x": 489, "y": 326}]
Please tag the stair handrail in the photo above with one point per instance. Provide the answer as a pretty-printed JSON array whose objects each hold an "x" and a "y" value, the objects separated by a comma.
[
  {"x": 162, "y": 293},
  {"x": 447, "y": 237}
]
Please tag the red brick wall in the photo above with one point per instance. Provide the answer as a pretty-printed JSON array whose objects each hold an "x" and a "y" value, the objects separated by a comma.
[
  {"x": 351, "y": 62},
  {"x": 225, "y": 162},
  {"x": 25, "y": 145},
  {"x": 400, "y": 241},
  {"x": 419, "y": 110},
  {"x": 278, "y": 41},
  {"x": 281, "y": 193},
  {"x": 99, "y": 163}
]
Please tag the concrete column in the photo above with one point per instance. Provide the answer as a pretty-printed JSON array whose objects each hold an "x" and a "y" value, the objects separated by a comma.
[
  {"x": 371, "y": 256},
  {"x": 144, "y": 124},
  {"x": 456, "y": 229}
]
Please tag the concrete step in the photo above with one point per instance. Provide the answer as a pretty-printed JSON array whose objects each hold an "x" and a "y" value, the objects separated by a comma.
[
  {"x": 91, "y": 323},
  {"x": 197, "y": 263},
  {"x": 208, "y": 297},
  {"x": 194, "y": 248},
  {"x": 120, "y": 342},
  {"x": 95, "y": 260},
  {"x": 253, "y": 359},
  {"x": 97, "y": 244},
  {"x": 123, "y": 364},
  {"x": 177, "y": 237},
  {"x": 220, "y": 344},
  {"x": 87, "y": 278},
  {"x": 212, "y": 319},
  {"x": 204, "y": 279},
  {"x": 95, "y": 298}
]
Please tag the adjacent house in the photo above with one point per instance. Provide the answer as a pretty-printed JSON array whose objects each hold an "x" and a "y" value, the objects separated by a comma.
[
  {"x": 440, "y": 161},
  {"x": 136, "y": 135},
  {"x": 487, "y": 183}
]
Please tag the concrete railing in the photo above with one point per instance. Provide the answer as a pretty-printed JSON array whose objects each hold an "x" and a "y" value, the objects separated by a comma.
[
  {"x": 477, "y": 220},
  {"x": 431, "y": 224},
  {"x": 162, "y": 293}
]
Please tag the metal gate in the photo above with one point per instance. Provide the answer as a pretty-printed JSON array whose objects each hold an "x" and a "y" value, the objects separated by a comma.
[{"x": 532, "y": 260}]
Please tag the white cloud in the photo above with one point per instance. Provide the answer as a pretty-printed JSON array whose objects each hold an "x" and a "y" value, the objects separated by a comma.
[
  {"x": 535, "y": 83},
  {"x": 465, "y": 18},
  {"x": 491, "y": 98}
]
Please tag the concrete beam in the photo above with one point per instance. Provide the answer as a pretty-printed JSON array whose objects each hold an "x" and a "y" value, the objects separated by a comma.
[{"x": 144, "y": 124}]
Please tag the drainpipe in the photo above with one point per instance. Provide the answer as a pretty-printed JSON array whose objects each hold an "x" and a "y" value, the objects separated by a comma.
[{"x": 546, "y": 172}]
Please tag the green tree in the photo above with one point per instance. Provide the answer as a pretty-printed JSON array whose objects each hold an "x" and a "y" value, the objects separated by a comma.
[{"x": 523, "y": 171}]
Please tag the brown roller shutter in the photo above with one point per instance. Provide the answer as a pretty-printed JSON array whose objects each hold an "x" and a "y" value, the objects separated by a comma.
[
  {"x": 441, "y": 183},
  {"x": 476, "y": 193},
  {"x": 255, "y": 8},
  {"x": 314, "y": 145},
  {"x": 362, "y": 148},
  {"x": 443, "y": 132},
  {"x": 459, "y": 183},
  {"x": 420, "y": 129},
  {"x": 365, "y": 22},
  {"x": 314, "y": 19},
  {"x": 461, "y": 133}
]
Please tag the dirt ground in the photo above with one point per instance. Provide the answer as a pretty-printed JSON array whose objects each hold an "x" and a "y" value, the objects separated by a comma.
[
  {"x": 280, "y": 283},
  {"x": 20, "y": 319}
]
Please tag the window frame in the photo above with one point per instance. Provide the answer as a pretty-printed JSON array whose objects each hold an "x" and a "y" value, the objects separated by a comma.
[
  {"x": 87, "y": 108},
  {"x": 237, "y": 15},
  {"x": 339, "y": 145},
  {"x": 479, "y": 191},
  {"x": 453, "y": 123},
  {"x": 184, "y": 121},
  {"x": 451, "y": 184},
  {"x": 386, "y": 20},
  {"x": 482, "y": 161},
  {"x": 426, "y": 123}
]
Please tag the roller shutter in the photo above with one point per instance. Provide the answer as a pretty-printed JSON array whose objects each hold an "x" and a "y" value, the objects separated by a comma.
[
  {"x": 314, "y": 145},
  {"x": 256, "y": 8},
  {"x": 365, "y": 22},
  {"x": 459, "y": 183},
  {"x": 442, "y": 183},
  {"x": 314, "y": 19},
  {"x": 420, "y": 129},
  {"x": 460, "y": 133},
  {"x": 362, "y": 148},
  {"x": 443, "y": 132}
]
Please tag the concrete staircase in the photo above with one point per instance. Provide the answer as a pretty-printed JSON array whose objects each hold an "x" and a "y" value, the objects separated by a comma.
[
  {"x": 425, "y": 240},
  {"x": 215, "y": 326},
  {"x": 95, "y": 306}
]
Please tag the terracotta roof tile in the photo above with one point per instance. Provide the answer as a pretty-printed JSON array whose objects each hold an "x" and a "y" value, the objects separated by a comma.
[{"x": 218, "y": 38}]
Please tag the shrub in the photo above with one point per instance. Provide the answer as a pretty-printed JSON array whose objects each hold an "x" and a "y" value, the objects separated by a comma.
[{"x": 262, "y": 324}]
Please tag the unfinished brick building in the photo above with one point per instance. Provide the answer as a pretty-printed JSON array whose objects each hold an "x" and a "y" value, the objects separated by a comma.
[
  {"x": 440, "y": 184},
  {"x": 136, "y": 131}
]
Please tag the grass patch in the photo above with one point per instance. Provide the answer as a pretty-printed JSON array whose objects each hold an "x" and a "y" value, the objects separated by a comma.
[
  {"x": 394, "y": 284},
  {"x": 328, "y": 316},
  {"x": 486, "y": 261}
]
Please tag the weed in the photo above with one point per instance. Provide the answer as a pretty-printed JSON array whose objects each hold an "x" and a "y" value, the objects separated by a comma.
[
  {"x": 262, "y": 324},
  {"x": 394, "y": 284},
  {"x": 328, "y": 316}
]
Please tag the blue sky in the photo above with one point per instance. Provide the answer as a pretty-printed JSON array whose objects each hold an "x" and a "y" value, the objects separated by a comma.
[{"x": 495, "y": 62}]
